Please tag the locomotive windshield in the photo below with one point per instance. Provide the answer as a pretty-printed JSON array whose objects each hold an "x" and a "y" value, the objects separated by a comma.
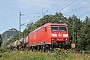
[
  {"x": 54, "y": 28},
  {"x": 57, "y": 28},
  {"x": 62, "y": 28}
]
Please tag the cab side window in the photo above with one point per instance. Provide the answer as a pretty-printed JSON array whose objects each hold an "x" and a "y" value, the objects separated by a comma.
[{"x": 45, "y": 29}]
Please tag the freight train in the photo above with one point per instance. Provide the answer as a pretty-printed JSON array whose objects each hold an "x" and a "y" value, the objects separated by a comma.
[{"x": 48, "y": 36}]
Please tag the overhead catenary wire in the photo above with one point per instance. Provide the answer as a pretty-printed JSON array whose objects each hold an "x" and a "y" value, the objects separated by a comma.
[
  {"x": 67, "y": 5},
  {"x": 84, "y": 13},
  {"x": 50, "y": 6},
  {"x": 80, "y": 7},
  {"x": 86, "y": 4},
  {"x": 64, "y": 7},
  {"x": 43, "y": 13},
  {"x": 28, "y": 14},
  {"x": 59, "y": 10},
  {"x": 28, "y": 20}
]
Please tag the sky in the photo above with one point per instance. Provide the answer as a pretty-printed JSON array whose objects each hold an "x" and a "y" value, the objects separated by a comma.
[{"x": 33, "y": 10}]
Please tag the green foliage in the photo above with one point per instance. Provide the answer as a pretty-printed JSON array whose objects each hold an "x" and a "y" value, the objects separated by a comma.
[
  {"x": 84, "y": 35},
  {"x": 28, "y": 55},
  {"x": 61, "y": 54}
]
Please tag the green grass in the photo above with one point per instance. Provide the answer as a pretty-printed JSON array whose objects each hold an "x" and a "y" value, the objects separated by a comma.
[{"x": 28, "y": 55}]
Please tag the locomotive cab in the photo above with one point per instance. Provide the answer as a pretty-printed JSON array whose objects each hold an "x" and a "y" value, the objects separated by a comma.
[{"x": 59, "y": 36}]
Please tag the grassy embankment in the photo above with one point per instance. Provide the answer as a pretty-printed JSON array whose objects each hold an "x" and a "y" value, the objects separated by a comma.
[{"x": 28, "y": 55}]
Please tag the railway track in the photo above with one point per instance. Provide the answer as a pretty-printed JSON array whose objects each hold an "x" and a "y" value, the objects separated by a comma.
[{"x": 84, "y": 53}]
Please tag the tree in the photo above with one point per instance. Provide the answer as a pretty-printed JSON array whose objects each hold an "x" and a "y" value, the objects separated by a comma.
[{"x": 85, "y": 37}]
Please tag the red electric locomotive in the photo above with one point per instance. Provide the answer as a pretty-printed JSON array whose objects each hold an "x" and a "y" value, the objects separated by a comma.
[{"x": 49, "y": 36}]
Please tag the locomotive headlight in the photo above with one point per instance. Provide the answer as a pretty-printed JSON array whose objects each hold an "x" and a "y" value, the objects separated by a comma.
[
  {"x": 53, "y": 39},
  {"x": 65, "y": 35},
  {"x": 65, "y": 39},
  {"x": 55, "y": 35}
]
